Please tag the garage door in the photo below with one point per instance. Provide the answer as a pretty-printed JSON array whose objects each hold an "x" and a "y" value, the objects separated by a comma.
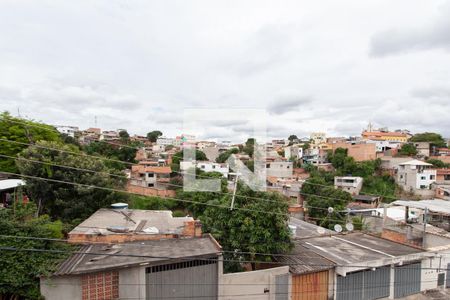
[
  {"x": 407, "y": 280},
  {"x": 313, "y": 286},
  {"x": 366, "y": 285},
  {"x": 196, "y": 279}
]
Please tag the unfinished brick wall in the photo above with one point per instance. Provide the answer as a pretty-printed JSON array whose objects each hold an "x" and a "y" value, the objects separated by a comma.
[
  {"x": 148, "y": 191},
  {"x": 100, "y": 286}
]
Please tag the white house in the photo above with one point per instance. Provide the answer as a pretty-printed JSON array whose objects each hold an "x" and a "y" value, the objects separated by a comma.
[
  {"x": 206, "y": 166},
  {"x": 349, "y": 184},
  {"x": 69, "y": 130},
  {"x": 416, "y": 176},
  {"x": 164, "y": 141}
]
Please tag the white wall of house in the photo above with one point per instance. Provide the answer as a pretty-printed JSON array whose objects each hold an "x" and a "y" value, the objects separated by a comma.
[
  {"x": 349, "y": 184},
  {"x": 208, "y": 166},
  {"x": 425, "y": 179},
  {"x": 165, "y": 141},
  {"x": 69, "y": 286},
  {"x": 282, "y": 169},
  {"x": 253, "y": 284}
]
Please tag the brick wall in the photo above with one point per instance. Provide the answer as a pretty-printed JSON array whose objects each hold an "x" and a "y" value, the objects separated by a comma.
[
  {"x": 148, "y": 191},
  {"x": 100, "y": 286}
]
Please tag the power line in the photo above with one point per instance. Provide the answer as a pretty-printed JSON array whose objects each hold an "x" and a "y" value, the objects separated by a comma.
[
  {"x": 138, "y": 148},
  {"x": 198, "y": 258},
  {"x": 119, "y": 161}
]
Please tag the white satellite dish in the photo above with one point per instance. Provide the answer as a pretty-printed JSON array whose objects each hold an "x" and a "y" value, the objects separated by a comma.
[
  {"x": 349, "y": 227},
  {"x": 338, "y": 228},
  {"x": 321, "y": 230},
  {"x": 330, "y": 210}
]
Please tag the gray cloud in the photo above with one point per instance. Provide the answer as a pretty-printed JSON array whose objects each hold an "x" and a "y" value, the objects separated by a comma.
[
  {"x": 430, "y": 36},
  {"x": 287, "y": 104},
  {"x": 139, "y": 65}
]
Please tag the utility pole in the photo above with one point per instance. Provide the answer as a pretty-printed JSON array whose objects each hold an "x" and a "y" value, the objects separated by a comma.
[
  {"x": 234, "y": 191},
  {"x": 425, "y": 219}
]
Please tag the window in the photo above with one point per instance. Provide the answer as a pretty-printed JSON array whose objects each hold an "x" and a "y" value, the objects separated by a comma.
[
  {"x": 213, "y": 166},
  {"x": 267, "y": 165},
  {"x": 151, "y": 185},
  {"x": 423, "y": 177},
  {"x": 150, "y": 174},
  {"x": 202, "y": 166},
  {"x": 446, "y": 177},
  {"x": 422, "y": 187},
  {"x": 432, "y": 177}
]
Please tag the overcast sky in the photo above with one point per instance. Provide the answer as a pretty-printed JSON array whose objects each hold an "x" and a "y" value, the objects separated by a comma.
[{"x": 328, "y": 66}]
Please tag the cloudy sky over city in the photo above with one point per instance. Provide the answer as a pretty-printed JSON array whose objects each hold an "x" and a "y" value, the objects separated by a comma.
[{"x": 328, "y": 66}]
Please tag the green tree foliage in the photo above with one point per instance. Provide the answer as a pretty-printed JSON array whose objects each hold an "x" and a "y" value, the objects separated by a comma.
[
  {"x": 126, "y": 153},
  {"x": 306, "y": 146},
  {"x": 320, "y": 196},
  {"x": 383, "y": 185},
  {"x": 20, "y": 270},
  {"x": 346, "y": 165},
  {"x": 225, "y": 155},
  {"x": 408, "y": 150},
  {"x": 177, "y": 157},
  {"x": 23, "y": 131},
  {"x": 292, "y": 137},
  {"x": 124, "y": 136},
  {"x": 152, "y": 136},
  {"x": 248, "y": 229},
  {"x": 438, "y": 163},
  {"x": 249, "y": 146},
  {"x": 434, "y": 138},
  {"x": 197, "y": 200},
  {"x": 64, "y": 201},
  {"x": 339, "y": 158}
]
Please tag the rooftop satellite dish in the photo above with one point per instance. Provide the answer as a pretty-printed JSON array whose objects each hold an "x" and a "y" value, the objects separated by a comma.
[
  {"x": 330, "y": 210},
  {"x": 338, "y": 228},
  {"x": 349, "y": 227},
  {"x": 321, "y": 230}
]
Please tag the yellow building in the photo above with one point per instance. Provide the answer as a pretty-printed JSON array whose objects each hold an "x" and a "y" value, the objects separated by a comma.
[{"x": 385, "y": 136}]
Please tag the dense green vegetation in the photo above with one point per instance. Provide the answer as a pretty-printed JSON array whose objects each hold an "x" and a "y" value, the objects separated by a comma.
[
  {"x": 438, "y": 163},
  {"x": 434, "y": 138},
  {"x": 320, "y": 194},
  {"x": 64, "y": 201},
  {"x": 152, "y": 136},
  {"x": 407, "y": 150},
  {"x": 225, "y": 155},
  {"x": 114, "y": 152},
  {"x": 21, "y": 131},
  {"x": 20, "y": 270}
]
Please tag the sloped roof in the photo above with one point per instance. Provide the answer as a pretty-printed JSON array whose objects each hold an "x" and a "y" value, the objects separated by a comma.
[
  {"x": 10, "y": 183},
  {"x": 99, "y": 257},
  {"x": 415, "y": 162},
  {"x": 131, "y": 219},
  {"x": 302, "y": 260}
]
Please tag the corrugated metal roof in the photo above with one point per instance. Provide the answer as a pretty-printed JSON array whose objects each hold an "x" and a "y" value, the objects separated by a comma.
[
  {"x": 98, "y": 257},
  {"x": 10, "y": 184},
  {"x": 306, "y": 261}
]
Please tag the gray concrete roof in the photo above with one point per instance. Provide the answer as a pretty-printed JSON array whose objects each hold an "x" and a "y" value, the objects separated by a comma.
[
  {"x": 356, "y": 248},
  {"x": 305, "y": 229},
  {"x": 437, "y": 205},
  {"x": 131, "y": 219},
  {"x": 97, "y": 257},
  {"x": 306, "y": 260}
]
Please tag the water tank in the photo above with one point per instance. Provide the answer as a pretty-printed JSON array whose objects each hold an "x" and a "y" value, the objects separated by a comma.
[
  {"x": 119, "y": 205},
  {"x": 293, "y": 229}
]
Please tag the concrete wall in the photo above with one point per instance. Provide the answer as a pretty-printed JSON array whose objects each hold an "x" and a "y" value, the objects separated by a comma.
[
  {"x": 61, "y": 287},
  {"x": 132, "y": 283},
  {"x": 252, "y": 284}
]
